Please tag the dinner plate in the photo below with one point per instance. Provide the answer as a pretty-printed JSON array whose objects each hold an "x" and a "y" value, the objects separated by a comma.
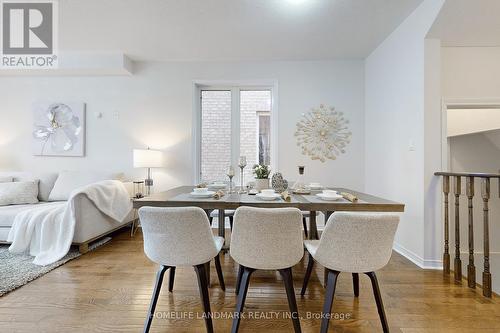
[
  {"x": 207, "y": 194},
  {"x": 268, "y": 197},
  {"x": 329, "y": 197}
]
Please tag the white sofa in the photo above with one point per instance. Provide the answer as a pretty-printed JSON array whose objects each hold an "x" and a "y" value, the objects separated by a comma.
[{"x": 91, "y": 224}]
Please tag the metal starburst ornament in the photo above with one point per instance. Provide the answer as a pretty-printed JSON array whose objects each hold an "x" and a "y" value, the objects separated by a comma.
[{"x": 323, "y": 133}]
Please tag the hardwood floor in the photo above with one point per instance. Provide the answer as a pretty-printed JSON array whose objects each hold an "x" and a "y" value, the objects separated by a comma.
[{"x": 109, "y": 289}]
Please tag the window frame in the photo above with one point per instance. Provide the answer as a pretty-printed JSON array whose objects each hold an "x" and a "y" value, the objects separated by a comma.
[{"x": 235, "y": 87}]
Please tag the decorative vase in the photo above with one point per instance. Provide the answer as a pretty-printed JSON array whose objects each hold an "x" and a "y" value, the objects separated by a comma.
[
  {"x": 278, "y": 183},
  {"x": 261, "y": 184}
]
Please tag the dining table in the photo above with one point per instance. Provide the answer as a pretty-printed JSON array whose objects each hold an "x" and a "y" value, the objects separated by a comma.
[{"x": 181, "y": 197}]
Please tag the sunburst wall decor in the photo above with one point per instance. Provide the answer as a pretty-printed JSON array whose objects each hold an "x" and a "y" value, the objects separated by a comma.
[{"x": 323, "y": 133}]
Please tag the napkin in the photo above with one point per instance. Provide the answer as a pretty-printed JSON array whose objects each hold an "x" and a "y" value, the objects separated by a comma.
[
  {"x": 349, "y": 196},
  {"x": 218, "y": 195},
  {"x": 286, "y": 196}
]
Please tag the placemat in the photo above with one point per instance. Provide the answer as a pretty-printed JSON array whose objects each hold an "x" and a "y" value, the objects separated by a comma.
[
  {"x": 246, "y": 198},
  {"x": 189, "y": 197},
  {"x": 316, "y": 199}
]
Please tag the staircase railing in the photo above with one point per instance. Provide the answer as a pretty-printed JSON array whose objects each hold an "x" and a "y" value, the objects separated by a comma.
[{"x": 485, "y": 181}]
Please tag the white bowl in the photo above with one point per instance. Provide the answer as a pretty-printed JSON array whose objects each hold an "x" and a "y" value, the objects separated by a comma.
[
  {"x": 330, "y": 192},
  {"x": 267, "y": 191},
  {"x": 205, "y": 194},
  {"x": 329, "y": 197},
  {"x": 315, "y": 186},
  {"x": 267, "y": 197}
]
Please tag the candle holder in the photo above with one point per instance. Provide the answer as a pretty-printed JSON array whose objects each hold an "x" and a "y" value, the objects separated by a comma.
[
  {"x": 230, "y": 185},
  {"x": 230, "y": 174},
  {"x": 242, "y": 164}
]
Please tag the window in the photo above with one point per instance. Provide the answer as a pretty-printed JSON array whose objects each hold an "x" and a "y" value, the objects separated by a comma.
[{"x": 234, "y": 121}]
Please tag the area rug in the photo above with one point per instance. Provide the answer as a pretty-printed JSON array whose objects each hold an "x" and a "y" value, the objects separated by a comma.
[{"x": 17, "y": 270}]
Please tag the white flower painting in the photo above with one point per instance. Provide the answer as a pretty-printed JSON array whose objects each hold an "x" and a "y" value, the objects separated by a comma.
[{"x": 59, "y": 129}]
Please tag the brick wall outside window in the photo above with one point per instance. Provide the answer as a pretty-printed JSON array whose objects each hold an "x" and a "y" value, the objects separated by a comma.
[{"x": 216, "y": 132}]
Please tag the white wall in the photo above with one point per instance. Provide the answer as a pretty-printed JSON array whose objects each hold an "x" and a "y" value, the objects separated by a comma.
[
  {"x": 394, "y": 137},
  {"x": 471, "y": 72},
  {"x": 433, "y": 226},
  {"x": 154, "y": 108}
]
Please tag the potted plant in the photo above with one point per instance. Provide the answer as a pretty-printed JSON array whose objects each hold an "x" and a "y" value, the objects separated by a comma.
[{"x": 261, "y": 173}]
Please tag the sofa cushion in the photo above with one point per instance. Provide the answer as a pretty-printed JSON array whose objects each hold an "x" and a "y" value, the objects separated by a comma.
[
  {"x": 6, "y": 179},
  {"x": 8, "y": 213},
  {"x": 18, "y": 193},
  {"x": 68, "y": 181},
  {"x": 46, "y": 181}
]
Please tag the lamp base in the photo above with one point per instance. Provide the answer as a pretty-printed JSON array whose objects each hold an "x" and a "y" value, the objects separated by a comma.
[{"x": 148, "y": 183}]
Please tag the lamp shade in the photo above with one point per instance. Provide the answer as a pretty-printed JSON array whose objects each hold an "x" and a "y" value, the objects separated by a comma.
[{"x": 147, "y": 158}]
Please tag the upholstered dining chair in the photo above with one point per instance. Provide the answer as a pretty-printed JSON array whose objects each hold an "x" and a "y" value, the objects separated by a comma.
[
  {"x": 266, "y": 239},
  {"x": 180, "y": 237},
  {"x": 355, "y": 243}
]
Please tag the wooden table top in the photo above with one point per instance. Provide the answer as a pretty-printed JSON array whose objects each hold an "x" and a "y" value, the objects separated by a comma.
[{"x": 179, "y": 197}]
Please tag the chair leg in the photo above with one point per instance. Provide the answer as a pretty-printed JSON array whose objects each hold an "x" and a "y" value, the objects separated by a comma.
[
  {"x": 304, "y": 223},
  {"x": 211, "y": 220},
  {"x": 203, "y": 286},
  {"x": 378, "y": 300},
  {"x": 310, "y": 266},
  {"x": 286, "y": 274},
  {"x": 330, "y": 293},
  {"x": 207, "y": 271},
  {"x": 242, "y": 295},
  {"x": 355, "y": 284},
  {"x": 231, "y": 219},
  {"x": 238, "y": 279},
  {"x": 171, "y": 279},
  {"x": 154, "y": 299},
  {"x": 219, "y": 272}
]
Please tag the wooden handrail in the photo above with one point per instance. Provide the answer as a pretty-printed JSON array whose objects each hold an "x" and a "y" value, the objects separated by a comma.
[
  {"x": 485, "y": 179},
  {"x": 468, "y": 174}
]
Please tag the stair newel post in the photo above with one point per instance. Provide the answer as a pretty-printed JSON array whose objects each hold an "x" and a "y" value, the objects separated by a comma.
[{"x": 446, "y": 254}]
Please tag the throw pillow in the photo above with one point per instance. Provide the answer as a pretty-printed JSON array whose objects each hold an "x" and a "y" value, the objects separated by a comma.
[
  {"x": 19, "y": 193},
  {"x": 68, "y": 181}
]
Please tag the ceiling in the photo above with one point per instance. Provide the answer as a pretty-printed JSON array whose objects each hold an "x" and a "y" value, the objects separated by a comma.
[
  {"x": 230, "y": 30},
  {"x": 468, "y": 23}
]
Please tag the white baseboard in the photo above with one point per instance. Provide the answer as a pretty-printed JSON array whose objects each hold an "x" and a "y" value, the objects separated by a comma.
[{"x": 416, "y": 259}]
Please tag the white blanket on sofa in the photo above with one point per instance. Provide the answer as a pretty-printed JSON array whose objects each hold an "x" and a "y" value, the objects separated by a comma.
[{"x": 48, "y": 231}]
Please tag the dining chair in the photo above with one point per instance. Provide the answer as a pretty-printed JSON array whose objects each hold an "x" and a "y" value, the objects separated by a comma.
[
  {"x": 266, "y": 239},
  {"x": 355, "y": 243},
  {"x": 180, "y": 237},
  {"x": 227, "y": 213}
]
